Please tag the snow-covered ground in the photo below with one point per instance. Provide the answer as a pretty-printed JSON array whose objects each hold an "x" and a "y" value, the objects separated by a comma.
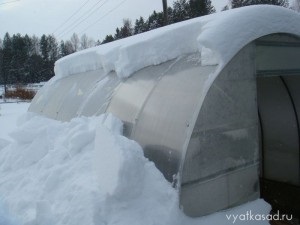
[
  {"x": 84, "y": 172},
  {"x": 9, "y": 113}
]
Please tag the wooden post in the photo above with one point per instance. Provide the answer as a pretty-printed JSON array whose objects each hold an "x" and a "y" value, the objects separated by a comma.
[{"x": 165, "y": 8}]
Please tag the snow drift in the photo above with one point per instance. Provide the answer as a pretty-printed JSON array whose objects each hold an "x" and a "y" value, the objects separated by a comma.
[
  {"x": 85, "y": 172},
  {"x": 51, "y": 174}
]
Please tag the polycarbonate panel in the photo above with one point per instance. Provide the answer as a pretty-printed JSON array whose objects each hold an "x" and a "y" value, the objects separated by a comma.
[
  {"x": 41, "y": 98},
  {"x": 163, "y": 120},
  {"x": 223, "y": 149},
  {"x": 131, "y": 96},
  {"x": 208, "y": 197},
  {"x": 55, "y": 98},
  {"x": 227, "y": 121},
  {"x": 99, "y": 97},
  {"x": 280, "y": 132},
  {"x": 207, "y": 161},
  {"x": 243, "y": 185},
  {"x": 84, "y": 94},
  {"x": 74, "y": 97}
]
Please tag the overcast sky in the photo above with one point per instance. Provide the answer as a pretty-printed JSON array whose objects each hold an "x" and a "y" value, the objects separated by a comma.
[{"x": 96, "y": 18}]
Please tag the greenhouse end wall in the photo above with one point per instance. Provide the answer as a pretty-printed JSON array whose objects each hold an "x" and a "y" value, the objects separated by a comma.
[{"x": 222, "y": 159}]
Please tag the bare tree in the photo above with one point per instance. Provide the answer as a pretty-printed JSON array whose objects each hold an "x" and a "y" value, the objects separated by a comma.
[
  {"x": 75, "y": 42},
  {"x": 86, "y": 42}
]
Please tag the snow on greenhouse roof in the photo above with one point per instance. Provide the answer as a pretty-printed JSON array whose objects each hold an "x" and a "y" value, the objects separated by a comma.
[{"x": 224, "y": 34}]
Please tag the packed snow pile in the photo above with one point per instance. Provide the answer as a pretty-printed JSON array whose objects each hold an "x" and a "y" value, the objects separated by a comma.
[
  {"x": 219, "y": 36},
  {"x": 51, "y": 174},
  {"x": 85, "y": 172}
]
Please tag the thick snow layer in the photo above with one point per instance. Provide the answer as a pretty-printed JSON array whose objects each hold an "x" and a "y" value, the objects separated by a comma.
[
  {"x": 231, "y": 30},
  {"x": 219, "y": 36},
  {"x": 85, "y": 172}
]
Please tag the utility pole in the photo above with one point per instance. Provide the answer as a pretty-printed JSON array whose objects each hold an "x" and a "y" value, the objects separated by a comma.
[{"x": 165, "y": 7}]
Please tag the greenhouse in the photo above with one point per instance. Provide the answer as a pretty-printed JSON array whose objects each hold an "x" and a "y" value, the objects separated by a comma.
[{"x": 214, "y": 102}]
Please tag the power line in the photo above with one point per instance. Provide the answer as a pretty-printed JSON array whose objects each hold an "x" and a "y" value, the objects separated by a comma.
[
  {"x": 67, "y": 20},
  {"x": 80, "y": 20},
  {"x": 97, "y": 21},
  {"x": 84, "y": 19},
  {"x": 80, "y": 17},
  {"x": 4, "y": 3}
]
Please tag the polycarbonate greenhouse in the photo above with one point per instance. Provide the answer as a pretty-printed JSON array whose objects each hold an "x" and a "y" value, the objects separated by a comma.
[{"x": 219, "y": 118}]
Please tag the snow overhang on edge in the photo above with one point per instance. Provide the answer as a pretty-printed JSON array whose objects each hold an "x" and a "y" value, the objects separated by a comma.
[{"x": 217, "y": 36}]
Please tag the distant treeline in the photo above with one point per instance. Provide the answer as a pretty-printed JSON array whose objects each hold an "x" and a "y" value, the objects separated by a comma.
[{"x": 30, "y": 59}]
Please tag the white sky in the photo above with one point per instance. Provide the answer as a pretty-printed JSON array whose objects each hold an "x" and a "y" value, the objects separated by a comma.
[{"x": 101, "y": 17}]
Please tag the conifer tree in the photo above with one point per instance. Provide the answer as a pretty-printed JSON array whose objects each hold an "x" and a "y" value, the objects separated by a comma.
[
  {"x": 140, "y": 26},
  {"x": 117, "y": 34},
  {"x": 107, "y": 39},
  {"x": 155, "y": 20},
  {"x": 126, "y": 30},
  {"x": 181, "y": 10},
  {"x": 44, "y": 47},
  {"x": 200, "y": 8}
]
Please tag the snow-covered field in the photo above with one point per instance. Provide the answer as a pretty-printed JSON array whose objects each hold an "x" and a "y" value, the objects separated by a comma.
[{"x": 84, "y": 172}]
